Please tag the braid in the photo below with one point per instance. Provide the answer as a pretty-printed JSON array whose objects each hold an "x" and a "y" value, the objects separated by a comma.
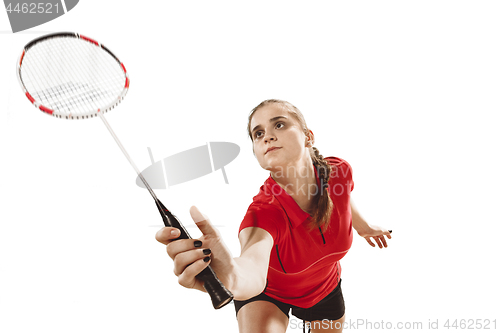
[
  {"x": 322, "y": 167},
  {"x": 322, "y": 200}
]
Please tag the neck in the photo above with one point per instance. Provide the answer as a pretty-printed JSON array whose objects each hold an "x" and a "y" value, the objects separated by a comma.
[{"x": 299, "y": 181}]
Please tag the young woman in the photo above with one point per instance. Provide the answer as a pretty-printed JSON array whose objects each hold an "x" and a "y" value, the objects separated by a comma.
[{"x": 292, "y": 237}]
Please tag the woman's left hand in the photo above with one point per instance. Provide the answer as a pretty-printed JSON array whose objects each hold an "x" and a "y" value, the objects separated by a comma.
[{"x": 377, "y": 233}]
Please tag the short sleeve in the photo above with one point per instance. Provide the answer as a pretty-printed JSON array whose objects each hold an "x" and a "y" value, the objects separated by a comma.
[
  {"x": 341, "y": 170},
  {"x": 264, "y": 216},
  {"x": 349, "y": 178}
]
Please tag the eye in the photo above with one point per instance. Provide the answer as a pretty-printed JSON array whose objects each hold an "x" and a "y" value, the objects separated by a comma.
[
  {"x": 280, "y": 125},
  {"x": 257, "y": 134}
]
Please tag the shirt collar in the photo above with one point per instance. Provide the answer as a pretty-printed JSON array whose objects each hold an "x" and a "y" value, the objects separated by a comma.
[{"x": 295, "y": 214}]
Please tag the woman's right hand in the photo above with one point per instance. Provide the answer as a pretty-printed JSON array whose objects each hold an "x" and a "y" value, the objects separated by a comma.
[{"x": 191, "y": 256}]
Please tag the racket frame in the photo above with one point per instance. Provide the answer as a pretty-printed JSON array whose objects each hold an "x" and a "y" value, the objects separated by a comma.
[{"x": 56, "y": 113}]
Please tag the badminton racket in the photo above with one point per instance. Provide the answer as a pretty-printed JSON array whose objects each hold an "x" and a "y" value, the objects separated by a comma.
[{"x": 67, "y": 75}]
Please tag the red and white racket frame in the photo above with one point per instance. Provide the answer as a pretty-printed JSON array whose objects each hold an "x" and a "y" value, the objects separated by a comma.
[{"x": 54, "y": 113}]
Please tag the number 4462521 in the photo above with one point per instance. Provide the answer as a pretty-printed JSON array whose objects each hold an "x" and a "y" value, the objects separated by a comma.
[
  {"x": 33, "y": 8},
  {"x": 471, "y": 324}
]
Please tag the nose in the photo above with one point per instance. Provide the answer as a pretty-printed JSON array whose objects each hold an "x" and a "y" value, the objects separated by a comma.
[{"x": 269, "y": 136}]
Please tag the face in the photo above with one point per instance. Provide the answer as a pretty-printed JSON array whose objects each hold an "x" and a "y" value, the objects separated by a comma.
[{"x": 278, "y": 138}]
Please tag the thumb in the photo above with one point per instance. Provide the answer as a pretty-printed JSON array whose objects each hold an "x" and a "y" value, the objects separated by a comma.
[{"x": 202, "y": 221}]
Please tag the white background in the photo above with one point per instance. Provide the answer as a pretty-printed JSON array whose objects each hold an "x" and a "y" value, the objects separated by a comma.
[{"x": 406, "y": 91}]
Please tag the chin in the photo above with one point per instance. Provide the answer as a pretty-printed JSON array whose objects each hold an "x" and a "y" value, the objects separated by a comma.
[
  {"x": 273, "y": 164},
  {"x": 267, "y": 164}
]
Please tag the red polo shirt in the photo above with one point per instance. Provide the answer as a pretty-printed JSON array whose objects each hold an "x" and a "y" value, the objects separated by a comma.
[{"x": 304, "y": 265}]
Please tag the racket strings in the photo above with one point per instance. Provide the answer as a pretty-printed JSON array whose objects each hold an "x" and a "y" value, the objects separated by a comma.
[
  {"x": 93, "y": 94},
  {"x": 94, "y": 91},
  {"x": 72, "y": 77},
  {"x": 72, "y": 96},
  {"x": 64, "y": 92},
  {"x": 40, "y": 63}
]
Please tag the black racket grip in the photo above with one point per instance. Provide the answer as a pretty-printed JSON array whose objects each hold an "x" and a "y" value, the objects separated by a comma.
[{"x": 219, "y": 294}]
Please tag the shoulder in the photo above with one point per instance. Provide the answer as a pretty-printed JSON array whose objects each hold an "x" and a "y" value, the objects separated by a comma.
[
  {"x": 339, "y": 163},
  {"x": 266, "y": 207},
  {"x": 265, "y": 212},
  {"x": 341, "y": 172}
]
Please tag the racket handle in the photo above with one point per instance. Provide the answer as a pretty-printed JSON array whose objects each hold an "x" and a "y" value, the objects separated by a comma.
[{"x": 219, "y": 294}]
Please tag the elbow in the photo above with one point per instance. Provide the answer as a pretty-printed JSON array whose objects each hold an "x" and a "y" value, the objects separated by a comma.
[
  {"x": 242, "y": 294},
  {"x": 249, "y": 288}
]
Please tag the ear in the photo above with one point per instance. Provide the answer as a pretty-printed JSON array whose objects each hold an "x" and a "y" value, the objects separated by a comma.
[{"x": 310, "y": 139}]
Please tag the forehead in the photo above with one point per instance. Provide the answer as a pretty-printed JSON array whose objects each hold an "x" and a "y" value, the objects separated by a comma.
[{"x": 267, "y": 112}]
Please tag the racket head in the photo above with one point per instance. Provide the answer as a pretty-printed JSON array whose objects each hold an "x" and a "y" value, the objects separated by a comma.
[{"x": 68, "y": 75}]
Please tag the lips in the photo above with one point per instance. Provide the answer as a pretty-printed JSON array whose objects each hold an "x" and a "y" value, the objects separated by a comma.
[{"x": 271, "y": 149}]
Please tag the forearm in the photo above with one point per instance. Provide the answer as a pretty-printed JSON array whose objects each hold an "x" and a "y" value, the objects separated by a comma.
[
  {"x": 248, "y": 278},
  {"x": 358, "y": 223},
  {"x": 241, "y": 276},
  {"x": 248, "y": 272},
  {"x": 369, "y": 231}
]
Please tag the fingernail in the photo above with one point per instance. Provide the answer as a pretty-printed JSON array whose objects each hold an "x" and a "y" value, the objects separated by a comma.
[
  {"x": 390, "y": 231},
  {"x": 197, "y": 243},
  {"x": 175, "y": 232},
  {"x": 206, "y": 259},
  {"x": 207, "y": 251}
]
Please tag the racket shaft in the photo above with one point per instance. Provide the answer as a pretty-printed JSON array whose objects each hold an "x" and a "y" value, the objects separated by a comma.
[{"x": 219, "y": 294}]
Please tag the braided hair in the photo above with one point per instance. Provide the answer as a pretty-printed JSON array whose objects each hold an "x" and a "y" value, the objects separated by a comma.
[{"x": 322, "y": 203}]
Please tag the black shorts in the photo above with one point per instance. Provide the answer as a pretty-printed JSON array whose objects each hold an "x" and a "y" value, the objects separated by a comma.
[{"x": 331, "y": 307}]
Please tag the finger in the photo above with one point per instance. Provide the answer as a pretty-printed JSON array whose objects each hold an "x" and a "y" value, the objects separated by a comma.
[
  {"x": 378, "y": 242},
  {"x": 167, "y": 234},
  {"x": 185, "y": 259},
  {"x": 368, "y": 239},
  {"x": 188, "y": 277},
  {"x": 203, "y": 222},
  {"x": 382, "y": 239},
  {"x": 182, "y": 245},
  {"x": 388, "y": 233}
]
